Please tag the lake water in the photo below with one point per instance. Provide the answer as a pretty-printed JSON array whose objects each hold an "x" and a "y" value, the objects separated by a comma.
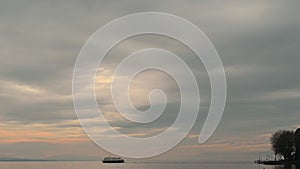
[{"x": 98, "y": 165}]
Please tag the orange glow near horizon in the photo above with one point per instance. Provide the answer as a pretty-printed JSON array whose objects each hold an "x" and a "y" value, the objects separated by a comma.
[{"x": 28, "y": 135}]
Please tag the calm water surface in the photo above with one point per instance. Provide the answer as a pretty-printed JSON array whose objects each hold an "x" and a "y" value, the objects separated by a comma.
[{"x": 98, "y": 165}]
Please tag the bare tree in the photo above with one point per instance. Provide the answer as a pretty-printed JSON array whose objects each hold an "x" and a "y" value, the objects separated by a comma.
[{"x": 283, "y": 143}]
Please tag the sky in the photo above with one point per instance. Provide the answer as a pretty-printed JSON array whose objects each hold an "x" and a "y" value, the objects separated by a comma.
[{"x": 258, "y": 43}]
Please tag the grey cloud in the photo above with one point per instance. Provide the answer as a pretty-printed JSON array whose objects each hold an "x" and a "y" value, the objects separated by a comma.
[{"x": 258, "y": 42}]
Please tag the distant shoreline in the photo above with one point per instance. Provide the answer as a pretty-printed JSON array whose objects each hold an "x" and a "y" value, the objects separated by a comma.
[{"x": 41, "y": 160}]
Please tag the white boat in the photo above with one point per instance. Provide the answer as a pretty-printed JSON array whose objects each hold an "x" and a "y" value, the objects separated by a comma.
[{"x": 110, "y": 159}]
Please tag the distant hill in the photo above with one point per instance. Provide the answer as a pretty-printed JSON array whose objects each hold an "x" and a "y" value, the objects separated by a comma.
[
  {"x": 22, "y": 159},
  {"x": 12, "y": 159}
]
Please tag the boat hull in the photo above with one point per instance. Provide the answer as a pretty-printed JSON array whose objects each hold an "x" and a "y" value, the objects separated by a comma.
[{"x": 111, "y": 161}]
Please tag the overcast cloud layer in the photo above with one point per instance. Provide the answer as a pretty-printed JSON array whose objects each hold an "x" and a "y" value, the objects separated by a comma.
[{"x": 258, "y": 42}]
